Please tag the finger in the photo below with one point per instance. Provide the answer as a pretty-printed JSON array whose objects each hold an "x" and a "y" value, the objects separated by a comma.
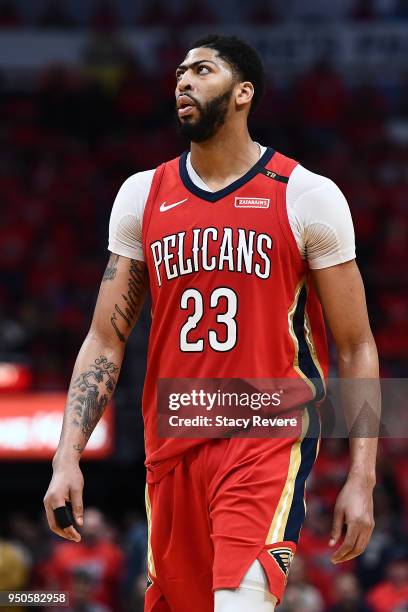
[
  {"x": 358, "y": 549},
  {"x": 50, "y": 519},
  {"x": 50, "y": 503},
  {"x": 63, "y": 533},
  {"x": 362, "y": 541},
  {"x": 71, "y": 533},
  {"x": 348, "y": 544},
  {"x": 77, "y": 506},
  {"x": 68, "y": 533},
  {"x": 66, "y": 522},
  {"x": 337, "y": 527}
]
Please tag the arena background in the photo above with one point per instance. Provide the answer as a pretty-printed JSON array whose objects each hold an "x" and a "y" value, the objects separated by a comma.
[{"x": 87, "y": 100}]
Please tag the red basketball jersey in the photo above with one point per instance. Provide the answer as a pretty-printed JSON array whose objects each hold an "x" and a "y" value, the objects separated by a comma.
[{"x": 230, "y": 292}]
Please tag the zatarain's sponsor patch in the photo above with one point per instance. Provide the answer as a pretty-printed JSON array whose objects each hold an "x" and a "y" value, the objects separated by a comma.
[{"x": 251, "y": 202}]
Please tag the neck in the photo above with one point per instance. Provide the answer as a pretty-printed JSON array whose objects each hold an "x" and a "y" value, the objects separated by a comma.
[{"x": 225, "y": 157}]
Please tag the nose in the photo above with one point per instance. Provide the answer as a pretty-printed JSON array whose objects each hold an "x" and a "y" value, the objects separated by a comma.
[{"x": 184, "y": 82}]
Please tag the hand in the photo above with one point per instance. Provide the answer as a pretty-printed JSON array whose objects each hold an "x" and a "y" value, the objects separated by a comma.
[
  {"x": 354, "y": 507},
  {"x": 66, "y": 484}
]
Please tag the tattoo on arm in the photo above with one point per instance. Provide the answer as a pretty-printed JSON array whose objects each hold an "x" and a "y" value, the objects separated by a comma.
[
  {"x": 111, "y": 268},
  {"x": 128, "y": 309},
  {"x": 89, "y": 395}
]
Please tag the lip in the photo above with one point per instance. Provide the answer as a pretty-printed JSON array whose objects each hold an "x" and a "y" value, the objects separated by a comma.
[
  {"x": 185, "y": 105},
  {"x": 186, "y": 110}
]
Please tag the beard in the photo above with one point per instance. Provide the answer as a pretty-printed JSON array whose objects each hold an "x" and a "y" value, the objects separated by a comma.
[{"x": 211, "y": 117}]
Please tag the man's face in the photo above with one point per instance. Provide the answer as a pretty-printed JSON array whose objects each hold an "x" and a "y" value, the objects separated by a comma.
[
  {"x": 94, "y": 528},
  {"x": 205, "y": 84}
]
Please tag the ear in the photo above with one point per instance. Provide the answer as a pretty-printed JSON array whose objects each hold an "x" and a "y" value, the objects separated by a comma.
[{"x": 244, "y": 93}]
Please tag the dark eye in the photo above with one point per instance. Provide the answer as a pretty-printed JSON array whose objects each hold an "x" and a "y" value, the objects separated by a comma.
[{"x": 202, "y": 69}]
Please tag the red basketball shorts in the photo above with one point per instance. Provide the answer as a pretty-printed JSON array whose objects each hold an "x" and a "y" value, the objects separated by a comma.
[{"x": 226, "y": 503}]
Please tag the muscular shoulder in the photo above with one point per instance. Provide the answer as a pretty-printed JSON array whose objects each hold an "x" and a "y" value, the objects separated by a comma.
[
  {"x": 320, "y": 219},
  {"x": 125, "y": 226}
]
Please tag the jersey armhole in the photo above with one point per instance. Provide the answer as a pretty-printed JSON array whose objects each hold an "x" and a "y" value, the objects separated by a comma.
[{"x": 147, "y": 214}]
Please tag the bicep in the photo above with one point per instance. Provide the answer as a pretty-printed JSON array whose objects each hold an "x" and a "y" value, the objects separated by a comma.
[
  {"x": 120, "y": 299},
  {"x": 341, "y": 292}
]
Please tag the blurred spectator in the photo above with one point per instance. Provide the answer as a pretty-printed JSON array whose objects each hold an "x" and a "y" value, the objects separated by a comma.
[
  {"x": 396, "y": 459},
  {"x": 14, "y": 569},
  {"x": 97, "y": 556},
  {"x": 134, "y": 103},
  {"x": 388, "y": 531},
  {"x": 14, "y": 566},
  {"x": 300, "y": 596},
  {"x": 105, "y": 57},
  {"x": 392, "y": 337},
  {"x": 322, "y": 119},
  {"x": 364, "y": 124},
  {"x": 328, "y": 475},
  {"x": 313, "y": 546},
  {"x": 136, "y": 562},
  {"x": 348, "y": 596},
  {"x": 391, "y": 595},
  {"x": 82, "y": 596}
]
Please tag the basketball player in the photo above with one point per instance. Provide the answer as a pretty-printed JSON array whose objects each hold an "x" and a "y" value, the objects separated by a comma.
[{"x": 240, "y": 247}]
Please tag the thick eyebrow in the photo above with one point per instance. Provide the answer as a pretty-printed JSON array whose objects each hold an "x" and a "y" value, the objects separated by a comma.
[{"x": 185, "y": 67}]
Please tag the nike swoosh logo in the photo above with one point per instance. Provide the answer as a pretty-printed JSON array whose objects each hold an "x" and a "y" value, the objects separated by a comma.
[{"x": 165, "y": 206}]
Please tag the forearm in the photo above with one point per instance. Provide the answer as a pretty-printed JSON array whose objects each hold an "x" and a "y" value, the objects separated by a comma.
[
  {"x": 361, "y": 399},
  {"x": 92, "y": 385}
]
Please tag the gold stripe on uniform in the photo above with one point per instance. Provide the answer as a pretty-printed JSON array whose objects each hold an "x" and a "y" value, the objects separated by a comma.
[
  {"x": 309, "y": 339},
  {"x": 312, "y": 347},
  {"x": 277, "y": 529},
  {"x": 291, "y": 314},
  {"x": 150, "y": 560}
]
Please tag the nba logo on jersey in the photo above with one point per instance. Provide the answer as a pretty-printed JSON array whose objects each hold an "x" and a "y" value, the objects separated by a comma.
[{"x": 252, "y": 202}]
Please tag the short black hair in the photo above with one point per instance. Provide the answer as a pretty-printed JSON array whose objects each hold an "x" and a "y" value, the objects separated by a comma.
[{"x": 243, "y": 59}]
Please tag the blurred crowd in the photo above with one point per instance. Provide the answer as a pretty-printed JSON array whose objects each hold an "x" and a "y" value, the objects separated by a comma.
[
  {"x": 106, "y": 572},
  {"x": 69, "y": 14}
]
